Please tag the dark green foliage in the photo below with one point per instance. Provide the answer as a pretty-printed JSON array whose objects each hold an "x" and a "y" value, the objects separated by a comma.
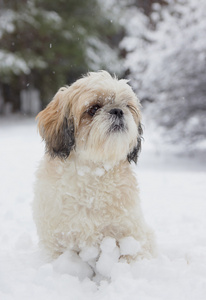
[{"x": 50, "y": 39}]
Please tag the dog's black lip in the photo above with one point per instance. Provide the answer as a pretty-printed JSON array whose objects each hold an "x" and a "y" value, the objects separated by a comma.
[{"x": 117, "y": 126}]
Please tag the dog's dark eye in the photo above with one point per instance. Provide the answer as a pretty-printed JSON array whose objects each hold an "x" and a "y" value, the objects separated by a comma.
[{"x": 93, "y": 109}]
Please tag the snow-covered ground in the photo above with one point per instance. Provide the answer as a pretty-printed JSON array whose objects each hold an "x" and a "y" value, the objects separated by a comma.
[{"x": 173, "y": 192}]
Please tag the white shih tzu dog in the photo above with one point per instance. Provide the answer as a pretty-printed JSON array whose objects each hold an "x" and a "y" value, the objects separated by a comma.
[{"x": 85, "y": 189}]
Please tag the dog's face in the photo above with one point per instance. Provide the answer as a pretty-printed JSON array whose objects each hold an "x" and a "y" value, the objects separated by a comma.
[{"x": 98, "y": 117}]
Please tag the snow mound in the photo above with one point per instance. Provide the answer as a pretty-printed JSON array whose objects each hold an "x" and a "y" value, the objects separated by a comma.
[{"x": 129, "y": 246}]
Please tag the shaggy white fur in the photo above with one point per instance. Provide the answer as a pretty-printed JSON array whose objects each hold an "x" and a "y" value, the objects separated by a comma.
[{"x": 85, "y": 189}]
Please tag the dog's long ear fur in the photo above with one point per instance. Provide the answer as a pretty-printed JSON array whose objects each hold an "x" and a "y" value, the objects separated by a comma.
[
  {"x": 56, "y": 127},
  {"x": 133, "y": 156}
]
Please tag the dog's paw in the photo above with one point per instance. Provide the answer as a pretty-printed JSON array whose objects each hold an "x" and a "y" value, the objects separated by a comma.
[
  {"x": 129, "y": 249},
  {"x": 70, "y": 263},
  {"x": 90, "y": 255},
  {"x": 109, "y": 256},
  {"x": 112, "y": 251}
]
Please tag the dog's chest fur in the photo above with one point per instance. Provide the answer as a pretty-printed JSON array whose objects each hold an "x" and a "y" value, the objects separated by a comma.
[{"x": 78, "y": 202}]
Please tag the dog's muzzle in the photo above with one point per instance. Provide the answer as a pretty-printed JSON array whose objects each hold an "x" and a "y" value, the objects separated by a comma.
[{"x": 117, "y": 120}]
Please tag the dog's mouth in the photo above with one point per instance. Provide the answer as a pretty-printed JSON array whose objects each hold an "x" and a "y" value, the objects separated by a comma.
[{"x": 117, "y": 124}]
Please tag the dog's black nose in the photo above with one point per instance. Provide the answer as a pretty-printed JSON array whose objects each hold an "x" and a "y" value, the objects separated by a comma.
[{"x": 117, "y": 112}]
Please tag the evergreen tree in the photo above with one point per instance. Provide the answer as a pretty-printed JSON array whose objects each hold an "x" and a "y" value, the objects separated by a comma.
[{"x": 47, "y": 44}]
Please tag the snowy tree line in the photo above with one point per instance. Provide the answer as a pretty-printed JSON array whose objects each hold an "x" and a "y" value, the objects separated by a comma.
[
  {"x": 166, "y": 59},
  {"x": 159, "y": 45},
  {"x": 46, "y": 44}
]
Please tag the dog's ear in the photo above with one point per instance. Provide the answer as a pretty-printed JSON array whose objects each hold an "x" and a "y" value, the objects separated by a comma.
[
  {"x": 133, "y": 155},
  {"x": 56, "y": 127}
]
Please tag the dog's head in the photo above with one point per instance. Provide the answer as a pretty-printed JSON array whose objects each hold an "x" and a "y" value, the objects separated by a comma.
[{"x": 98, "y": 117}]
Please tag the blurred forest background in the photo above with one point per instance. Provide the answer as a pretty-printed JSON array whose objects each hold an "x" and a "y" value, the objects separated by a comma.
[{"x": 160, "y": 45}]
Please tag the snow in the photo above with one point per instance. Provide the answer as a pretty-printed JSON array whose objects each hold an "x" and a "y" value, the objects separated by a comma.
[
  {"x": 173, "y": 197},
  {"x": 70, "y": 263},
  {"x": 166, "y": 66},
  {"x": 6, "y": 21},
  {"x": 88, "y": 254},
  {"x": 108, "y": 258},
  {"x": 12, "y": 61},
  {"x": 129, "y": 246}
]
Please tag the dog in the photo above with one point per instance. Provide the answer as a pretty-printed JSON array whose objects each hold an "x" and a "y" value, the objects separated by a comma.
[{"x": 85, "y": 188}]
